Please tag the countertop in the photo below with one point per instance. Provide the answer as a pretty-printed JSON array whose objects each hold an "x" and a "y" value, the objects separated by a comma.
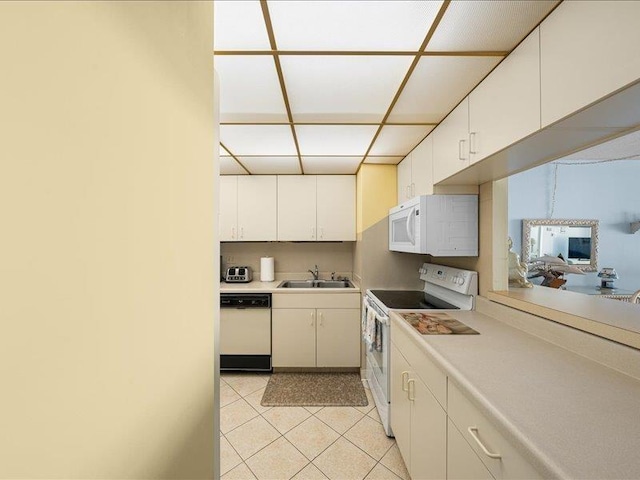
[
  {"x": 257, "y": 286},
  {"x": 571, "y": 417},
  {"x": 613, "y": 319}
]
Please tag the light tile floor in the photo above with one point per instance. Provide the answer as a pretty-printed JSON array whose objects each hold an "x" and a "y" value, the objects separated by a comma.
[{"x": 302, "y": 443}]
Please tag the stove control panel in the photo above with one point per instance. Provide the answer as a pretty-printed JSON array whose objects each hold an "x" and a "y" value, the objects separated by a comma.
[{"x": 455, "y": 279}]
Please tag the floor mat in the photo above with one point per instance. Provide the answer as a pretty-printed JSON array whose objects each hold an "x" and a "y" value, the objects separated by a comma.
[{"x": 314, "y": 390}]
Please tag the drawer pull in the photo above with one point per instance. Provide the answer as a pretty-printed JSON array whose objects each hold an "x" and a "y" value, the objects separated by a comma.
[
  {"x": 473, "y": 431},
  {"x": 409, "y": 390},
  {"x": 405, "y": 377}
]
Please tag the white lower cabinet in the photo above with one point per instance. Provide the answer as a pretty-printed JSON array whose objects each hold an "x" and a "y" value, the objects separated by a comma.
[
  {"x": 439, "y": 431},
  {"x": 462, "y": 461},
  {"x": 338, "y": 337},
  {"x": 308, "y": 332},
  {"x": 418, "y": 421},
  {"x": 497, "y": 454},
  {"x": 293, "y": 337}
]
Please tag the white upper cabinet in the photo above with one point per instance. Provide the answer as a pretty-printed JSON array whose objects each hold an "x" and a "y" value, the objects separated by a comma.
[
  {"x": 588, "y": 50},
  {"x": 247, "y": 208},
  {"x": 317, "y": 208},
  {"x": 297, "y": 208},
  {"x": 257, "y": 208},
  {"x": 451, "y": 143},
  {"x": 404, "y": 179},
  {"x": 505, "y": 107},
  {"x": 415, "y": 172},
  {"x": 228, "y": 208},
  {"x": 336, "y": 208},
  {"x": 422, "y": 168}
]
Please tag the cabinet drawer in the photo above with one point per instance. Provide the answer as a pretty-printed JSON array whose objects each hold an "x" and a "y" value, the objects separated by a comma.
[
  {"x": 315, "y": 300},
  {"x": 469, "y": 421},
  {"x": 422, "y": 364}
]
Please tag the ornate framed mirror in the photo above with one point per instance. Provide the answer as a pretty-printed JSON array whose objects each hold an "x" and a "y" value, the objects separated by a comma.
[{"x": 575, "y": 239}]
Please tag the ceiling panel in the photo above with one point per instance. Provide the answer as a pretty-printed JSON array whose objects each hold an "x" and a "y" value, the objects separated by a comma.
[
  {"x": 342, "y": 88},
  {"x": 331, "y": 165},
  {"x": 399, "y": 140},
  {"x": 250, "y": 90},
  {"x": 228, "y": 166},
  {"x": 271, "y": 165},
  {"x": 342, "y": 140},
  {"x": 383, "y": 160},
  {"x": 487, "y": 25},
  {"x": 351, "y": 25},
  {"x": 437, "y": 85},
  {"x": 258, "y": 139},
  {"x": 239, "y": 26}
]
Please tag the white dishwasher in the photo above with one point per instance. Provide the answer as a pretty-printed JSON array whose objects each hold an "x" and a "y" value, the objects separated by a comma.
[{"x": 245, "y": 331}]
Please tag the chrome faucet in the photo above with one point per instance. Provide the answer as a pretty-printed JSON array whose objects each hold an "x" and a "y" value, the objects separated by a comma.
[{"x": 314, "y": 273}]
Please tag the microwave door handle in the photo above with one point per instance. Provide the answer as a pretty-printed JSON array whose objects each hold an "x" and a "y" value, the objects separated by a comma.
[{"x": 410, "y": 234}]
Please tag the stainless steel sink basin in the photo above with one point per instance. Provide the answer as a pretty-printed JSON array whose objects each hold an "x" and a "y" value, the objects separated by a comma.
[
  {"x": 297, "y": 284},
  {"x": 334, "y": 284},
  {"x": 316, "y": 284}
]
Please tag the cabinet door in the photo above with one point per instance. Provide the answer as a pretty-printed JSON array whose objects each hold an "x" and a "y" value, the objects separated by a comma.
[
  {"x": 404, "y": 179},
  {"x": 588, "y": 50},
  {"x": 505, "y": 107},
  {"x": 428, "y": 433},
  {"x": 336, "y": 207},
  {"x": 296, "y": 207},
  {"x": 257, "y": 198},
  {"x": 400, "y": 405},
  {"x": 422, "y": 168},
  {"x": 293, "y": 337},
  {"x": 338, "y": 337},
  {"x": 451, "y": 143},
  {"x": 462, "y": 461},
  {"x": 228, "y": 208}
]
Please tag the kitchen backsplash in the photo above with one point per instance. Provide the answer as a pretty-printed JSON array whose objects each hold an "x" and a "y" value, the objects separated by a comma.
[{"x": 291, "y": 257}]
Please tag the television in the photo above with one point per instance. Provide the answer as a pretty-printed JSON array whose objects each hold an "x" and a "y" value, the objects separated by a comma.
[{"x": 580, "y": 248}]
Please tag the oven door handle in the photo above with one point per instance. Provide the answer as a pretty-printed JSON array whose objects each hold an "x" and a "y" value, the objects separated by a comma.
[
  {"x": 383, "y": 319},
  {"x": 368, "y": 305}
]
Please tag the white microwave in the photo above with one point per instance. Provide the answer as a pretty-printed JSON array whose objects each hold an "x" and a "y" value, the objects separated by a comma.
[{"x": 438, "y": 225}]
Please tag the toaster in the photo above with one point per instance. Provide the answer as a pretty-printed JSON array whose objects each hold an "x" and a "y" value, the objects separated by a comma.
[{"x": 238, "y": 275}]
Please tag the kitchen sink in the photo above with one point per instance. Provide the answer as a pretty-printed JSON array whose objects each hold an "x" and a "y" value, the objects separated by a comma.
[{"x": 316, "y": 284}]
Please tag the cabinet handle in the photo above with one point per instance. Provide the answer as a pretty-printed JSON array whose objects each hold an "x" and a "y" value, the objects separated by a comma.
[
  {"x": 413, "y": 190},
  {"x": 472, "y": 143},
  {"x": 460, "y": 154},
  {"x": 410, "y": 390},
  {"x": 313, "y": 233},
  {"x": 404, "y": 377},
  {"x": 473, "y": 431},
  {"x": 311, "y": 324},
  {"x": 321, "y": 233},
  {"x": 321, "y": 316},
  {"x": 407, "y": 192},
  {"x": 233, "y": 233},
  {"x": 241, "y": 232}
]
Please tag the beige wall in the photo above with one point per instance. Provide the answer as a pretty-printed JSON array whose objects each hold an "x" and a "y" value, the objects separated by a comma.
[
  {"x": 292, "y": 257},
  {"x": 107, "y": 246},
  {"x": 376, "y": 194}
]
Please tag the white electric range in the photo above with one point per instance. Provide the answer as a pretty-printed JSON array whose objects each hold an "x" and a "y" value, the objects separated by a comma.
[{"x": 445, "y": 288}]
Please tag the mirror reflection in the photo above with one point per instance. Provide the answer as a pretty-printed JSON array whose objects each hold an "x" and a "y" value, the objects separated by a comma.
[{"x": 575, "y": 241}]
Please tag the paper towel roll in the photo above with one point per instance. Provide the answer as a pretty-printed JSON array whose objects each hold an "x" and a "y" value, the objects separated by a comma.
[{"x": 267, "y": 269}]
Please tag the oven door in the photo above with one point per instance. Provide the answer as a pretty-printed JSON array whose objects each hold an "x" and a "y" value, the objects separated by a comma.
[
  {"x": 378, "y": 362},
  {"x": 403, "y": 228}
]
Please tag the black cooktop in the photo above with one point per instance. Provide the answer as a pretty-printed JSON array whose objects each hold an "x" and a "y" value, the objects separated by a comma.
[{"x": 411, "y": 300}]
